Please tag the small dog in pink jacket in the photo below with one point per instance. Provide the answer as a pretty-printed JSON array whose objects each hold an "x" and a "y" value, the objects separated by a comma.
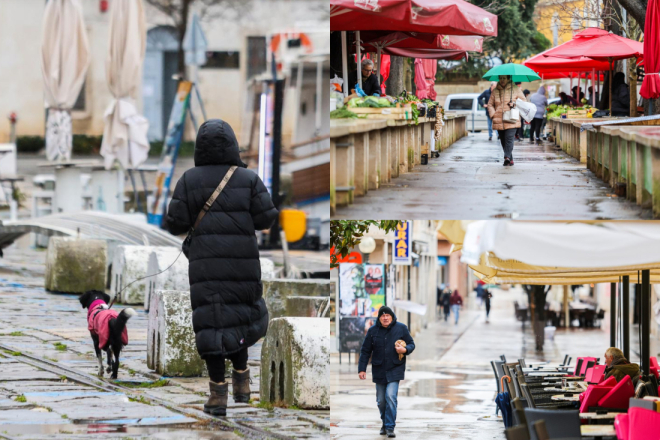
[{"x": 107, "y": 327}]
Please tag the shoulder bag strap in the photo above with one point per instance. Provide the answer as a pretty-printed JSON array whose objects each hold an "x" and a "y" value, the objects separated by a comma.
[{"x": 214, "y": 196}]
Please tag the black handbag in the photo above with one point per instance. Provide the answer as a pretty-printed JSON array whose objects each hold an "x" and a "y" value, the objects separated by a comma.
[{"x": 185, "y": 246}]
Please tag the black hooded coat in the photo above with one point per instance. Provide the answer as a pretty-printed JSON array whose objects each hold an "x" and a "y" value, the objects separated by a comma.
[
  {"x": 379, "y": 345},
  {"x": 229, "y": 312}
]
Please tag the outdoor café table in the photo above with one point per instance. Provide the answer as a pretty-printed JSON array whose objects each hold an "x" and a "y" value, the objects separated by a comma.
[
  {"x": 595, "y": 419},
  {"x": 598, "y": 431},
  {"x": 561, "y": 397},
  {"x": 546, "y": 374},
  {"x": 564, "y": 390}
]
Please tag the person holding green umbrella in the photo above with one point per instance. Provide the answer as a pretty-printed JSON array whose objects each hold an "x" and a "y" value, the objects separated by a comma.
[{"x": 503, "y": 100}]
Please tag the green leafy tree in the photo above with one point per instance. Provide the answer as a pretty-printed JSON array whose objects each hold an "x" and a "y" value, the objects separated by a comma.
[{"x": 346, "y": 234}]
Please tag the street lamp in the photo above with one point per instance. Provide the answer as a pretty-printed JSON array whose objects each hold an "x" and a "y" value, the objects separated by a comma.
[{"x": 367, "y": 245}]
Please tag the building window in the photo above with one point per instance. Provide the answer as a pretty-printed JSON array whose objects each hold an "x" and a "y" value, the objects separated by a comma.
[
  {"x": 221, "y": 60},
  {"x": 256, "y": 54},
  {"x": 80, "y": 101}
]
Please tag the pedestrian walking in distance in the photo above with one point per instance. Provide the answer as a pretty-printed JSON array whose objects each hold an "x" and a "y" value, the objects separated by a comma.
[
  {"x": 446, "y": 302},
  {"x": 388, "y": 363},
  {"x": 502, "y": 99},
  {"x": 487, "y": 296},
  {"x": 229, "y": 312},
  {"x": 483, "y": 101},
  {"x": 541, "y": 102},
  {"x": 456, "y": 303}
]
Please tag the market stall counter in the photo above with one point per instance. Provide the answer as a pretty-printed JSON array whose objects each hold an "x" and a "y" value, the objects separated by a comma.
[
  {"x": 627, "y": 157},
  {"x": 365, "y": 153}
]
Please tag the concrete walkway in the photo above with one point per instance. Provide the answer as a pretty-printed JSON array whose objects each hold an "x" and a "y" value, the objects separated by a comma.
[
  {"x": 469, "y": 182},
  {"x": 449, "y": 388}
]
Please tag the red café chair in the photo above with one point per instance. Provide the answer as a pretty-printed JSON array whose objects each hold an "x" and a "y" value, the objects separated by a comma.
[
  {"x": 619, "y": 396},
  {"x": 643, "y": 424},
  {"x": 655, "y": 368},
  {"x": 585, "y": 362},
  {"x": 594, "y": 393},
  {"x": 622, "y": 426},
  {"x": 597, "y": 374}
]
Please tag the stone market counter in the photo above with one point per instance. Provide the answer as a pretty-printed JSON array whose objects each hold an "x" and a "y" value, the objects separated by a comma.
[{"x": 366, "y": 153}]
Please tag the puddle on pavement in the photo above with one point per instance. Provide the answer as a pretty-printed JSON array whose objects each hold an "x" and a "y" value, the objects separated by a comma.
[{"x": 197, "y": 431}]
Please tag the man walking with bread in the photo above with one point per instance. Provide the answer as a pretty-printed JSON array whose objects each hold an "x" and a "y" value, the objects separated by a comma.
[{"x": 387, "y": 343}]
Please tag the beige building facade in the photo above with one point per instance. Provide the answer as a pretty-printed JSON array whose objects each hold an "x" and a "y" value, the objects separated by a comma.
[{"x": 238, "y": 47}]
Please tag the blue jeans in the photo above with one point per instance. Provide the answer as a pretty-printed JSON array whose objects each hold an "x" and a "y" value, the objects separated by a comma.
[
  {"x": 490, "y": 125},
  {"x": 456, "y": 308},
  {"x": 386, "y": 399}
]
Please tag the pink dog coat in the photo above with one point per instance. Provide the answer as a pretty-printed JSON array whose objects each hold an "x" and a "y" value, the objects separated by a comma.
[{"x": 98, "y": 319}]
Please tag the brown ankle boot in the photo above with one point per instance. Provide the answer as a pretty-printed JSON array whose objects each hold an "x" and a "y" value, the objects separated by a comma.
[
  {"x": 240, "y": 384},
  {"x": 217, "y": 403}
]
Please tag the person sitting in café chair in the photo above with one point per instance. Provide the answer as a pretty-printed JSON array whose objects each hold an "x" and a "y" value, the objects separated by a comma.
[{"x": 619, "y": 367}]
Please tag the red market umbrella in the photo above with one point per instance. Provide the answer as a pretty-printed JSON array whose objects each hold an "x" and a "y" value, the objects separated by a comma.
[
  {"x": 452, "y": 17},
  {"x": 651, "y": 84},
  {"x": 544, "y": 64},
  {"x": 608, "y": 48},
  {"x": 434, "y": 54},
  {"x": 472, "y": 43}
]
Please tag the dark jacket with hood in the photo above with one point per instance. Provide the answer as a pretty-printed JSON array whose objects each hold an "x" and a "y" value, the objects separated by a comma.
[
  {"x": 229, "y": 312},
  {"x": 379, "y": 345},
  {"x": 621, "y": 368}
]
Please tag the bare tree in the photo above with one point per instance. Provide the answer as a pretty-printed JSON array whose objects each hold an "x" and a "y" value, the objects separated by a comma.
[{"x": 179, "y": 12}]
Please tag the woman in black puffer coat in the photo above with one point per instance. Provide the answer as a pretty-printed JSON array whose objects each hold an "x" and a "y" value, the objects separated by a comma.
[{"x": 229, "y": 313}]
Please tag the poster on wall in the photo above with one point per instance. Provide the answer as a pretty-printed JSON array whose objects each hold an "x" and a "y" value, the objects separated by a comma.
[
  {"x": 361, "y": 289},
  {"x": 361, "y": 294}
]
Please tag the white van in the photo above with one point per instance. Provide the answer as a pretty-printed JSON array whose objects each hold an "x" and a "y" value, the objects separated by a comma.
[{"x": 467, "y": 104}]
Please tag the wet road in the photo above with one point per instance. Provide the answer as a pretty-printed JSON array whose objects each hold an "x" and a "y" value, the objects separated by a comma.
[
  {"x": 449, "y": 389},
  {"x": 468, "y": 182}
]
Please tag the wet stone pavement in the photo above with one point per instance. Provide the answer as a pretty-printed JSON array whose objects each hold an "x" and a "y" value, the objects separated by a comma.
[
  {"x": 449, "y": 388},
  {"x": 468, "y": 182},
  {"x": 49, "y": 388}
]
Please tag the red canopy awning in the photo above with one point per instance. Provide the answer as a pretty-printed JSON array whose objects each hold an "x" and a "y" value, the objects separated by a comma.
[
  {"x": 543, "y": 64},
  {"x": 651, "y": 84},
  {"x": 373, "y": 39},
  {"x": 434, "y": 54},
  {"x": 449, "y": 17},
  {"x": 568, "y": 75},
  {"x": 608, "y": 47}
]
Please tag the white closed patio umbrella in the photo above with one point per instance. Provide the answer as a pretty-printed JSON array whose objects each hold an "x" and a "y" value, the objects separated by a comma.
[
  {"x": 125, "y": 133},
  {"x": 65, "y": 58}
]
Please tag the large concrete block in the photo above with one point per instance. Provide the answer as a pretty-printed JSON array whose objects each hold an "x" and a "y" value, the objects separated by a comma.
[
  {"x": 308, "y": 306},
  {"x": 129, "y": 269},
  {"x": 171, "y": 349},
  {"x": 295, "y": 363},
  {"x": 75, "y": 265},
  {"x": 277, "y": 291},
  {"x": 267, "y": 269},
  {"x": 174, "y": 278}
]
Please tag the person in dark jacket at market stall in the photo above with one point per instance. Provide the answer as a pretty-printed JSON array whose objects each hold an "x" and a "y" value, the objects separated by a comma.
[
  {"x": 620, "y": 96},
  {"x": 370, "y": 85},
  {"x": 388, "y": 343},
  {"x": 229, "y": 312}
]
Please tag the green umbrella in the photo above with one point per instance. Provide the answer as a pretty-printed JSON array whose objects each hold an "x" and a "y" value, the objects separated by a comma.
[{"x": 519, "y": 73}]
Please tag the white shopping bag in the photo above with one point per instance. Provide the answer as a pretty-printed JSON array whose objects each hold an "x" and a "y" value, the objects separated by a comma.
[{"x": 527, "y": 109}]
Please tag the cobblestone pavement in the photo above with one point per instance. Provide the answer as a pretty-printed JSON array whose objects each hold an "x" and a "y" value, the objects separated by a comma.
[
  {"x": 468, "y": 182},
  {"x": 449, "y": 388},
  {"x": 48, "y": 387}
]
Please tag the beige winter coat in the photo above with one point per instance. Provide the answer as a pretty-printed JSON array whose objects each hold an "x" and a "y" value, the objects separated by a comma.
[{"x": 499, "y": 103}]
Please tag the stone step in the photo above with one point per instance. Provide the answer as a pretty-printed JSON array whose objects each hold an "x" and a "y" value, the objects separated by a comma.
[{"x": 306, "y": 306}]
